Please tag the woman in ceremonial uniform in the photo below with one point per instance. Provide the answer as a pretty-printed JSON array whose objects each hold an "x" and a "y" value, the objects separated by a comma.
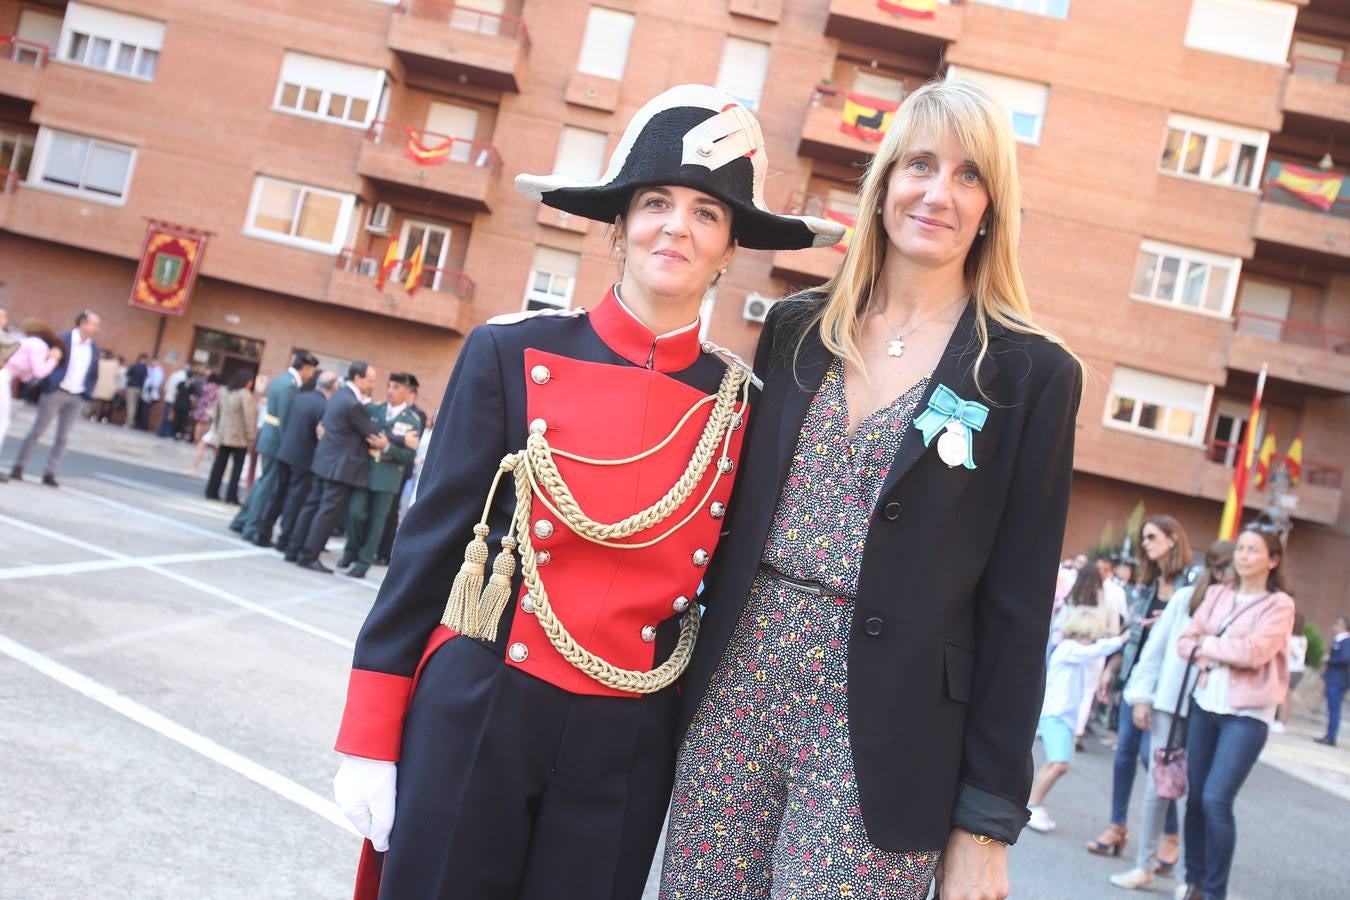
[
  {"x": 517, "y": 740},
  {"x": 866, "y": 689}
]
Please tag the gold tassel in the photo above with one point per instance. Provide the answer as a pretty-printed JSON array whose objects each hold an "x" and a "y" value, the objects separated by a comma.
[
  {"x": 461, "y": 605},
  {"x": 497, "y": 594}
]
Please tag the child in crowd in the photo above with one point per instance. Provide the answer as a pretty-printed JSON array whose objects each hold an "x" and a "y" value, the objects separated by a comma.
[{"x": 1081, "y": 645}]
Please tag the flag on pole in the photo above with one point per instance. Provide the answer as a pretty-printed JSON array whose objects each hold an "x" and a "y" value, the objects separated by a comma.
[
  {"x": 1228, "y": 524},
  {"x": 390, "y": 261},
  {"x": 1293, "y": 461},
  {"x": 867, "y": 117},
  {"x": 1264, "y": 462},
  {"x": 425, "y": 155},
  {"x": 1237, "y": 491},
  {"x": 1319, "y": 189},
  {"x": 415, "y": 268},
  {"x": 914, "y": 9}
]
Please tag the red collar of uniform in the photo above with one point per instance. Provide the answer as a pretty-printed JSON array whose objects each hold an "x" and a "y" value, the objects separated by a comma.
[{"x": 625, "y": 334}]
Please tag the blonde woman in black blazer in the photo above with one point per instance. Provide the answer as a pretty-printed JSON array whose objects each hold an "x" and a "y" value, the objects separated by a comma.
[{"x": 921, "y": 709}]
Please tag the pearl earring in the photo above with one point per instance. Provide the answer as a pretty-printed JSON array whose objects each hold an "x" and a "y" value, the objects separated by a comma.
[
  {"x": 878, "y": 210},
  {"x": 984, "y": 229}
]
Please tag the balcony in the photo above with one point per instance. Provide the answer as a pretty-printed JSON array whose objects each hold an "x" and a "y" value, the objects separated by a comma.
[
  {"x": 884, "y": 24},
  {"x": 460, "y": 170},
  {"x": 826, "y": 136},
  {"x": 21, "y": 65},
  {"x": 1318, "y": 497},
  {"x": 815, "y": 265},
  {"x": 1297, "y": 352},
  {"x": 1319, "y": 88},
  {"x": 447, "y": 40},
  {"x": 764, "y": 10},
  {"x": 1305, "y": 208},
  {"x": 440, "y": 300}
]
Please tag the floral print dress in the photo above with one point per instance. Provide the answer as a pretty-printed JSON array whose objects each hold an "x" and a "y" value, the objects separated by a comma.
[{"x": 766, "y": 803}]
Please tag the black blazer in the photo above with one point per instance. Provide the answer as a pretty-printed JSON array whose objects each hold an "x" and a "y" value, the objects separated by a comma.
[
  {"x": 297, "y": 436},
  {"x": 57, "y": 375},
  {"x": 947, "y": 648},
  {"x": 343, "y": 454}
]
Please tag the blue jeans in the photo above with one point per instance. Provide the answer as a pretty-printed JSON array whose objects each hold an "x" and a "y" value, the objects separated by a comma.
[
  {"x": 1132, "y": 749},
  {"x": 1221, "y": 751},
  {"x": 1335, "y": 697}
]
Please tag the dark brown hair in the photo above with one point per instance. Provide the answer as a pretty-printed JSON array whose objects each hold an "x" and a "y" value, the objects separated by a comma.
[
  {"x": 1218, "y": 556},
  {"x": 1275, "y": 581},
  {"x": 1177, "y": 559},
  {"x": 1087, "y": 587},
  {"x": 42, "y": 331}
]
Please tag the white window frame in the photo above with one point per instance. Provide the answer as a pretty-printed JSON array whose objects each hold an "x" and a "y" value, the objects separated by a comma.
[
  {"x": 1188, "y": 257},
  {"x": 600, "y": 54},
  {"x": 1214, "y": 132},
  {"x": 1200, "y": 425},
  {"x": 728, "y": 52},
  {"x": 120, "y": 30},
  {"x": 547, "y": 298},
  {"x": 20, "y": 140},
  {"x": 1197, "y": 38},
  {"x": 340, "y": 228},
  {"x": 1035, "y": 7},
  {"x": 1000, "y": 87},
  {"x": 37, "y": 166},
  {"x": 326, "y": 91}
]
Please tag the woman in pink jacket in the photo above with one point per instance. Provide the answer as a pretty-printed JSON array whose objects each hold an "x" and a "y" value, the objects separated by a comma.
[
  {"x": 1239, "y": 636},
  {"x": 39, "y": 352}
]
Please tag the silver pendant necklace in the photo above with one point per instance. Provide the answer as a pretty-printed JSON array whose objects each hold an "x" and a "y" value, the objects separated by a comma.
[{"x": 896, "y": 348}]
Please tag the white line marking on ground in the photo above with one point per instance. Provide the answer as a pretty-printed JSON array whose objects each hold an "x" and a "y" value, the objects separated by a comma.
[
  {"x": 139, "y": 485},
  {"x": 145, "y": 513},
  {"x": 193, "y": 583},
  {"x": 41, "y": 570},
  {"x": 200, "y": 744}
]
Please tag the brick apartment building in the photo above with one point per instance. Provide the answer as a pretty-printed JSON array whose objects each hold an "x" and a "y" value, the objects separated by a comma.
[{"x": 1170, "y": 232}]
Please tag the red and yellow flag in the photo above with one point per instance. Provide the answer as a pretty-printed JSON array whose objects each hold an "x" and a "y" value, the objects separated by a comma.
[
  {"x": 415, "y": 268},
  {"x": 848, "y": 222},
  {"x": 390, "y": 261},
  {"x": 1237, "y": 489},
  {"x": 914, "y": 9},
  {"x": 1228, "y": 523},
  {"x": 1319, "y": 189},
  {"x": 867, "y": 117},
  {"x": 424, "y": 155},
  {"x": 1264, "y": 462},
  {"x": 1293, "y": 461}
]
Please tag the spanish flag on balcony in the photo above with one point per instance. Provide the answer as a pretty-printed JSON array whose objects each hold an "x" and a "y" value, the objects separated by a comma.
[
  {"x": 848, "y": 222},
  {"x": 1264, "y": 459},
  {"x": 416, "y": 266},
  {"x": 390, "y": 261},
  {"x": 423, "y": 155},
  {"x": 1319, "y": 189},
  {"x": 915, "y": 9},
  {"x": 1293, "y": 461},
  {"x": 867, "y": 117}
]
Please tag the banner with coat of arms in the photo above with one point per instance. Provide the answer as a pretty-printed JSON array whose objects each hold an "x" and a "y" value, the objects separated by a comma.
[{"x": 170, "y": 260}]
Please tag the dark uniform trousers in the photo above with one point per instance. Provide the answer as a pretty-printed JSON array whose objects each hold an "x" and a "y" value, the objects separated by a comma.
[
  {"x": 367, "y": 514},
  {"x": 323, "y": 509},
  {"x": 525, "y": 791},
  {"x": 297, "y": 492},
  {"x": 267, "y": 516}
]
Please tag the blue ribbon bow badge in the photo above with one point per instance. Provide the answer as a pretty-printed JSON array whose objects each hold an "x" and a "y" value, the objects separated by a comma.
[{"x": 959, "y": 417}]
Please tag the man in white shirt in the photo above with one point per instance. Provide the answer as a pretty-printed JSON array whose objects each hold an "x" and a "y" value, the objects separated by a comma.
[{"x": 64, "y": 392}]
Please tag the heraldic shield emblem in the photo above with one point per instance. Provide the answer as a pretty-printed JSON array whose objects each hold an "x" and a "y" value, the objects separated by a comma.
[{"x": 170, "y": 259}]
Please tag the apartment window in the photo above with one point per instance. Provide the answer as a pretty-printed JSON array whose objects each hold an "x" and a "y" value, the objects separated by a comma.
[
  {"x": 1213, "y": 151},
  {"x": 1058, "y": 9},
  {"x": 743, "y": 69},
  {"x": 552, "y": 278},
  {"x": 1025, "y": 101},
  {"x": 328, "y": 89},
  {"x": 1252, "y": 29},
  {"x": 604, "y": 48},
  {"x": 581, "y": 153},
  {"x": 36, "y": 27},
  {"x": 309, "y": 217},
  {"x": 1158, "y": 404},
  {"x": 115, "y": 42},
  {"x": 1185, "y": 278},
  {"x": 99, "y": 170},
  {"x": 16, "y": 152}
]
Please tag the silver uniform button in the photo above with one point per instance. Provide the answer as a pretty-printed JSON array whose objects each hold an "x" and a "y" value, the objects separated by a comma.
[
  {"x": 737, "y": 420},
  {"x": 527, "y": 605},
  {"x": 648, "y": 633},
  {"x": 541, "y": 557},
  {"x": 718, "y": 509},
  {"x": 680, "y": 604},
  {"x": 518, "y": 652},
  {"x": 543, "y": 529},
  {"x": 700, "y": 558},
  {"x": 725, "y": 465},
  {"x": 540, "y": 374},
  {"x": 538, "y": 426},
  {"x": 705, "y": 148}
]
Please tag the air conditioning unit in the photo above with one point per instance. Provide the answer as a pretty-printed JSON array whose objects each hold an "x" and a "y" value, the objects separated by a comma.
[
  {"x": 381, "y": 215},
  {"x": 368, "y": 267},
  {"x": 756, "y": 307}
]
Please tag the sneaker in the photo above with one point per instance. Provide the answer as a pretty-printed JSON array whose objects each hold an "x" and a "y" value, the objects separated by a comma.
[
  {"x": 1040, "y": 821},
  {"x": 1133, "y": 880}
]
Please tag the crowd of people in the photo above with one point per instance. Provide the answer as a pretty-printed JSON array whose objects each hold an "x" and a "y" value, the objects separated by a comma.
[{"x": 1193, "y": 664}]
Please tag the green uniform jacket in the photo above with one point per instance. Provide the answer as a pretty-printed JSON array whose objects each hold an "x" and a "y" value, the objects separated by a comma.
[
  {"x": 280, "y": 392},
  {"x": 387, "y": 467}
]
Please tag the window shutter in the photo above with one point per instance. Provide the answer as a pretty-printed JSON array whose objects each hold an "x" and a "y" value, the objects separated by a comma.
[
  {"x": 1252, "y": 29},
  {"x": 604, "y": 48},
  {"x": 581, "y": 153},
  {"x": 744, "y": 67}
]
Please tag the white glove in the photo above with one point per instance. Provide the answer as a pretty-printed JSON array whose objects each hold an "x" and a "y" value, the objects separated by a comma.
[{"x": 365, "y": 791}]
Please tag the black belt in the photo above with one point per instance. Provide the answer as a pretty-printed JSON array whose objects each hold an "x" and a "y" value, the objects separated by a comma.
[{"x": 801, "y": 584}]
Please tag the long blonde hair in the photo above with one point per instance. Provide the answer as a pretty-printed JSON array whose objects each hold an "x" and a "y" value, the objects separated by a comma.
[{"x": 991, "y": 268}]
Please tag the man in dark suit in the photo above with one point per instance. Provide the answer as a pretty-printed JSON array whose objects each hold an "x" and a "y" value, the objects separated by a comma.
[
  {"x": 299, "y": 436},
  {"x": 280, "y": 392},
  {"x": 1336, "y": 675},
  {"x": 63, "y": 394},
  {"x": 341, "y": 462}
]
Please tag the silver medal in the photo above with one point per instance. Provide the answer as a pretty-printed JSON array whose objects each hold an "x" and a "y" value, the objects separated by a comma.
[{"x": 952, "y": 444}]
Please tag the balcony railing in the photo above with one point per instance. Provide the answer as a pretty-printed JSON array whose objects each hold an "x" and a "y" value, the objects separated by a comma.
[
  {"x": 16, "y": 49},
  {"x": 802, "y": 203},
  {"x": 1289, "y": 331},
  {"x": 1227, "y": 453},
  {"x": 431, "y": 148},
  {"x": 468, "y": 19},
  {"x": 9, "y": 180},
  {"x": 1303, "y": 187},
  {"x": 444, "y": 281},
  {"x": 1325, "y": 70}
]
